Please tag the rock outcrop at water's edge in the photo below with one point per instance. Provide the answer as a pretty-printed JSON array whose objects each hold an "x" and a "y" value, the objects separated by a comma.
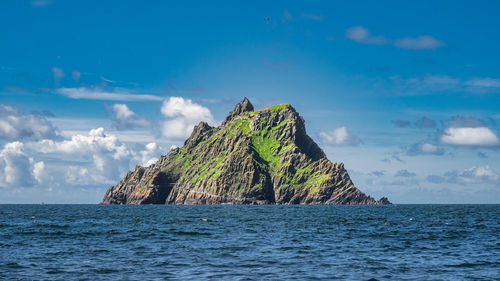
[{"x": 253, "y": 157}]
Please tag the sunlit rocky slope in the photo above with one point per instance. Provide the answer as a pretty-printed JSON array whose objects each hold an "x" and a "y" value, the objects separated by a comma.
[{"x": 253, "y": 157}]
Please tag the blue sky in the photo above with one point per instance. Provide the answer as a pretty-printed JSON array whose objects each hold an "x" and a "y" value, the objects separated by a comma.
[{"x": 406, "y": 94}]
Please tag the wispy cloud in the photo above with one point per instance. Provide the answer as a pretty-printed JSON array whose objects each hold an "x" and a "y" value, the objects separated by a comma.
[
  {"x": 277, "y": 65},
  {"x": 482, "y": 155},
  {"x": 422, "y": 123},
  {"x": 432, "y": 83},
  {"x": 423, "y": 42},
  {"x": 483, "y": 82},
  {"x": 94, "y": 93},
  {"x": 393, "y": 156},
  {"x": 58, "y": 74},
  {"x": 424, "y": 148},
  {"x": 286, "y": 16},
  {"x": 40, "y": 3},
  {"x": 76, "y": 75},
  {"x": 311, "y": 16},
  {"x": 404, "y": 174},
  {"x": 401, "y": 123},
  {"x": 339, "y": 137},
  {"x": 362, "y": 35}
]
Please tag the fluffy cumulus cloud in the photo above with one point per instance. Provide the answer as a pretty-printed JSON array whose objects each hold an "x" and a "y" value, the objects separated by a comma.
[
  {"x": 469, "y": 132},
  {"x": 362, "y": 35},
  {"x": 16, "y": 168},
  {"x": 477, "y": 174},
  {"x": 423, "y": 42},
  {"x": 181, "y": 117},
  {"x": 469, "y": 136},
  {"x": 473, "y": 175},
  {"x": 148, "y": 154},
  {"x": 424, "y": 148},
  {"x": 339, "y": 137},
  {"x": 124, "y": 118},
  {"x": 102, "y": 157},
  {"x": 16, "y": 125}
]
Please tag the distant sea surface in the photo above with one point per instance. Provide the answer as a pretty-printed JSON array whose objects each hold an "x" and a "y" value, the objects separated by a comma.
[{"x": 398, "y": 242}]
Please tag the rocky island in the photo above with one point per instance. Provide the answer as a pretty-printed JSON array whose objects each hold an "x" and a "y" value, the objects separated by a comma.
[{"x": 253, "y": 157}]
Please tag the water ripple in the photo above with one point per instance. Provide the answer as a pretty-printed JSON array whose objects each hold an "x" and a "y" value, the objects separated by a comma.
[{"x": 399, "y": 242}]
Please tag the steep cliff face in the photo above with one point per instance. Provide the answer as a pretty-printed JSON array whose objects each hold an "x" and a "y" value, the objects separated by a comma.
[{"x": 253, "y": 157}]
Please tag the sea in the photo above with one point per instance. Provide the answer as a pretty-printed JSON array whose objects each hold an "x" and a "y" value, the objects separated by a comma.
[{"x": 229, "y": 242}]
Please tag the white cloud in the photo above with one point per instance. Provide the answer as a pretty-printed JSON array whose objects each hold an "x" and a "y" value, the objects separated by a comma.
[
  {"x": 182, "y": 115},
  {"x": 76, "y": 75},
  {"x": 340, "y": 137},
  {"x": 100, "y": 94},
  {"x": 424, "y": 123},
  {"x": 470, "y": 136},
  {"x": 58, "y": 74},
  {"x": 124, "y": 118},
  {"x": 431, "y": 83},
  {"x": 40, "y": 3},
  {"x": 16, "y": 125},
  {"x": 473, "y": 175},
  {"x": 69, "y": 127},
  {"x": 312, "y": 16},
  {"x": 39, "y": 172},
  {"x": 424, "y": 148},
  {"x": 149, "y": 154},
  {"x": 286, "y": 16},
  {"x": 362, "y": 35},
  {"x": 429, "y": 148},
  {"x": 96, "y": 140},
  {"x": 423, "y": 42},
  {"x": 483, "y": 82},
  {"x": 104, "y": 158},
  {"x": 17, "y": 169}
]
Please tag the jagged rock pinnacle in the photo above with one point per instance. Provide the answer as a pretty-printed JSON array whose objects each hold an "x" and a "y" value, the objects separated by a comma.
[
  {"x": 254, "y": 157},
  {"x": 242, "y": 106}
]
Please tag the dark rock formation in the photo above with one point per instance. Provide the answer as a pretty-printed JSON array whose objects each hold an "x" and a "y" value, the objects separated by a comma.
[{"x": 254, "y": 157}]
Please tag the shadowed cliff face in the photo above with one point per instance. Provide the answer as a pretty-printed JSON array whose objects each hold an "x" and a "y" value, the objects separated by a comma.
[{"x": 253, "y": 157}]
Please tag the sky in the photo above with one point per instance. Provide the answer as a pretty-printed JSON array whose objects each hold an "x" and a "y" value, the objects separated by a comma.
[{"x": 405, "y": 93}]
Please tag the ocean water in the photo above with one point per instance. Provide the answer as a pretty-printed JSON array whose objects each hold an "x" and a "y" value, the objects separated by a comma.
[{"x": 398, "y": 242}]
